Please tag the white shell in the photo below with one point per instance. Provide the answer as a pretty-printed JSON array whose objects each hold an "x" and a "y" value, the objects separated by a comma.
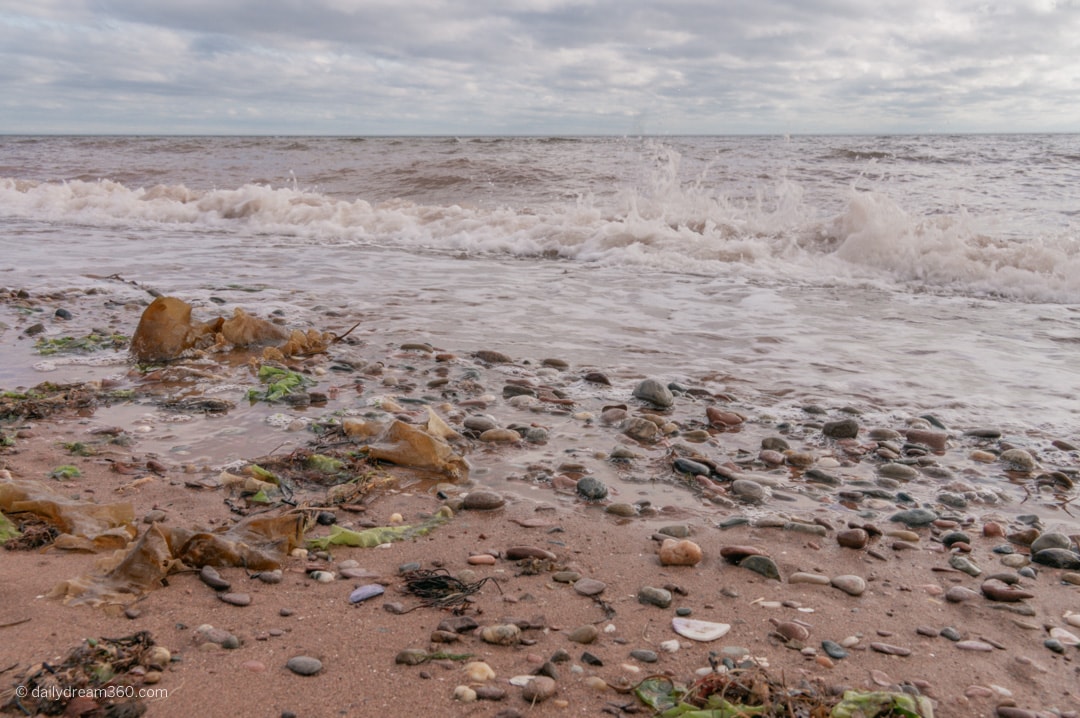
[{"x": 699, "y": 630}]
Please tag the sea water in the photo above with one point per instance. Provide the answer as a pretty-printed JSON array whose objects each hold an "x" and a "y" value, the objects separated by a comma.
[{"x": 905, "y": 275}]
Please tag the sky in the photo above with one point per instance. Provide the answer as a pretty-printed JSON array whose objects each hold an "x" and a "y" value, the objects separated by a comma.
[{"x": 538, "y": 67}]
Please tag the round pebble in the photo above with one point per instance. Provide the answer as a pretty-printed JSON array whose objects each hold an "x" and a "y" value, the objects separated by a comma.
[
  {"x": 304, "y": 665},
  {"x": 851, "y": 585}
]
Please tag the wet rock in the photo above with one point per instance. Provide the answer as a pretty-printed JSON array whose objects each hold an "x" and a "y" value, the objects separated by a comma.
[
  {"x": 689, "y": 466},
  {"x": 818, "y": 476},
  {"x": 654, "y": 596},
  {"x": 723, "y": 419},
  {"x": 842, "y": 429},
  {"x": 679, "y": 553},
  {"x": 774, "y": 443},
  {"x": 642, "y": 430},
  {"x": 737, "y": 553},
  {"x": 591, "y": 489},
  {"x": 654, "y": 392},
  {"x": 934, "y": 440},
  {"x": 900, "y": 472},
  {"x": 1018, "y": 460},
  {"x": 304, "y": 665},
  {"x": 478, "y": 424},
  {"x": 622, "y": 509},
  {"x": 1058, "y": 558},
  {"x": 852, "y": 538},
  {"x": 851, "y": 585},
  {"x": 493, "y": 357},
  {"x": 500, "y": 436},
  {"x": 954, "y": 537},
  {"x": 1051, "y": 539},
  {"x": 749, "y": 491},
  {"x": 914, "y": 517},
  {"x": 762, "y": 565},
  {"x": 483, "y": 500},
  {"x": 962, "y": 564}
]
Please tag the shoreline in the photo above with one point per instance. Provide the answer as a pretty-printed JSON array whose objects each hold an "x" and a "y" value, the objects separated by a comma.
[{"x": 596, "y": 515}]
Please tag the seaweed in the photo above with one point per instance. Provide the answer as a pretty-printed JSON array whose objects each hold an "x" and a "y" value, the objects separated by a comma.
[
  {"x": 279, "y": 382},
  {"x": 92, "y": 342},
  {"x": 438, "y": 588}
]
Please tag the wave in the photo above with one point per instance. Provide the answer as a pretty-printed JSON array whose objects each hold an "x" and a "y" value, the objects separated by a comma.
[{"x": 776, "y": 234}]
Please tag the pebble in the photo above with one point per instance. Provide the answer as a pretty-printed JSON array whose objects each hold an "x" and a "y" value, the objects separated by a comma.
[
  {"x": 762, "y": 565},
  {"x": 478, "y": 671},
  {"x": 679, "y": 553},
  {"x": 654, "y": 392},
  {"x": 236, "y": 599},
  {"x": 842, "y": 429},
  {"x": 997, "y": 590},
  {"x": 585, "y": 634},
  {"x": 644, "y": 655},
  {"x": 1018, "y": 460},
  {"x": 642, "y": 430},
  {"x": 834, "y": 650},
  {"x": 504, "y": 634},
  {"x": 589, "y": 586},
  {"x": 483, "y": 500},
  {"x": 1058, "y": 558},
  {"x": 747, "y": 490},
  {"x": 654, "y": 596},
  {"x": 210, "y": 576},
  {"x": 851, "y": 585},
  {"x": 813, "y": 578},
  {"x": 500, "y": 436},
  {"x": 914, "y": 517},
  {"x": 363, "y": 593},
  {"x": 591, "y": 489},
  {"x": 793, "y": 631},
  {"x": 465, "y": 694},
  {"x": 481, "y": 559},
  {"x": 974, "y": 646},
  {"x": 900, "y": 472},
  {"x": 852, "y": 538},
  {"x": 962, "y": 564},
  {"x": 735, "y": 554},
  {"x": 411, "y": 657},
  {"x": 959, "y": 594},
  {"x": 539, "y": 689},
  {"x": 516, "y": 553},
  {"x": 622, "y": 509},
  {"x": 1051, "y": 539},
  {"x": 696, "y": 630},
  {"x": 304, "y": 665},
  {"x": 950, "y": 633},
  {"x": 934, "y": 440},
  {"x": 890, "y": 649}
]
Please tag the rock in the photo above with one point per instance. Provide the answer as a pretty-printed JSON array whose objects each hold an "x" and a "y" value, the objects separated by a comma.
[
  {"x": 834, "y": 650},
  {"x": 655, "y": 393},
  {"x": 934, "y": 440},
  {"x": 974, "y": 646},
  {"x": 539, "y": 689},
  {"x": 493, "y": 357},
  {"x": 483, "y": 500},
  {"x": 654, "y": 596},
  {"x": 1018, "y": 460},
  {"x": 412, "y": 657},
  {"x": 955, "y": 537},
  {"x": 852, "y": 538},
  {"x": 915, "y": 517},
  {"x": 851, "y": 585},
  {"x": 363, "y": 593},
  {"x": 749, "y": 491},
  {"x": 210, "y": 576},
  {"x": 679, "y": 553},
  {"x": 737, "y": 553},
  {"x": 890, "y": 650},
  {"x": 1058, "y": 558},
  {"x": 959, "y": 594},
  {"x": 689, "y": 466},
  {"x": 490, "y": 692},
  {"x": 622, "y": 509},
  {"x": 500, "y": 436},
  {"x": 962, "y": 564},
  {"x": 793, "y": 631},
  {"x": 479, "y": 423},
  {"x": 702, "y": 631},
  {"x": 516, "y": 553},
  {"x": 997, "y": 590},
  {"x": 478, "y": 672},
  {"x": 481, "y": 559},
  {"x": 208, "y": 634},
  {"x": 720, "y": 419},
  {"x": 644, "y": 655},
  {"x": 642, "y": 430},
  {"x": 589, "y": 586},
  {"x": 842, "y": 429},
  {"x": 813, "y": 578},
  {"x": 900, "y": 472},
  {"x": 304, "y": 665},
  {"x": 762, "y": 565},
  {"x": 458, "y": 624},
  {"x": 1051, "y": 539},
  {"x": 236, "y": 599},
  {"x": 584, "y": 634},
  {"x": 591, "y": 489},
  {"x": 503, "y": 634}
]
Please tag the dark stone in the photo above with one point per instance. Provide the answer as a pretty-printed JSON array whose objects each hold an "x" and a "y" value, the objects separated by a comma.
[
  {"x": 63, "y": 314},
  {"x": 915, "y": 517},
  {"x": 592, "y": 489},
  {"x": 842, "y": 429},
  {"x": 591, "y": 659},
  {"x": 326, "y": 518},
  {"x": 1058, "y": 558}
]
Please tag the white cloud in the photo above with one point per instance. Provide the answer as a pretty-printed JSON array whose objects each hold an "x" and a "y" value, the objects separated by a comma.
[{"x": 539, "y": 66}]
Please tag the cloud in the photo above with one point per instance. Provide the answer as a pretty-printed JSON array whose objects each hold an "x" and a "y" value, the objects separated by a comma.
[{"x": 539, "y": 66}]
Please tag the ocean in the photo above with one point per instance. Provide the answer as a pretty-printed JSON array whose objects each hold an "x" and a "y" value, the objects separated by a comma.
[{"x": 900, "y": 276}]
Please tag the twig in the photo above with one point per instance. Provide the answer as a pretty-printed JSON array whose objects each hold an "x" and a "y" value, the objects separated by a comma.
[{"x": 9, "y": 624}]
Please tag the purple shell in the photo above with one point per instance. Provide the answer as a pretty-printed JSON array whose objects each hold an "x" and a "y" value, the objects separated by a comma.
[{"x": 363, "y": 593}]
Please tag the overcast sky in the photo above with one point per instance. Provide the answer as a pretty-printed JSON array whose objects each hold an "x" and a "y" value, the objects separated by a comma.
[{"x": 366, "y": 67}]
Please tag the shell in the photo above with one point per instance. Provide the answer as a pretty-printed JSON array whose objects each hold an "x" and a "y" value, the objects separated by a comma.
[{"x": 697, "y": 630}]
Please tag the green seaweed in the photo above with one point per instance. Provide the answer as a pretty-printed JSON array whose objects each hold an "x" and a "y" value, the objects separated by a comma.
[
  {"x": 279, "y": 384},
  {"x": 80, "y": 345},
  {"x": 379, "y": 535},
  {"x": 65, "y": 472},
  {"x": 325, "y": 464},
  {"x": 7, "y": 529},
  {"x": 861, "y": 704}
]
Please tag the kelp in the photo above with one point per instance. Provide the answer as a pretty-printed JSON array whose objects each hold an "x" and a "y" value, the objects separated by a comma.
[
  {"x": 258, "y": 543},
  {"x": 379, "y": 535},
  {"x": 280, "y": 382},
  {"x": 92, "y": 342},
  {"x": 8, "y": 530},
  {"x": 750, "y": 692},
  {"x": 82, "y": 525},
  {"x": 406, "y": 445},
  {"x": 48, "y": 398}
]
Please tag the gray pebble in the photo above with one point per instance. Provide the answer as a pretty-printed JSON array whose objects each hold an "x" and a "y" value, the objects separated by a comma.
[
  {"x": 654, "y": 392},
  {"x": 644, "y": 655},
  {"x": 654, "y": 596},
  {"x": 592, "y": 489},
  {"x": 304, "y": 665}
]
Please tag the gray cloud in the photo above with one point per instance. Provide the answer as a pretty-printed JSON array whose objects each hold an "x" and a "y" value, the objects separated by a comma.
[{"x": 539, "y": 66}]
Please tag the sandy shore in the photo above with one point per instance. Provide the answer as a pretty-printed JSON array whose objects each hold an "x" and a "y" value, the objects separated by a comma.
[{"x": 894, "y": 607}]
